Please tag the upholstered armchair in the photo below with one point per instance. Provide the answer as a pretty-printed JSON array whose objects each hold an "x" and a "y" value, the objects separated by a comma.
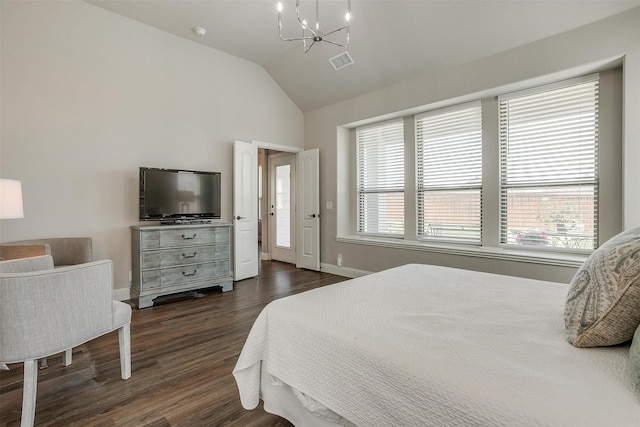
[
  {"x": 64, "y": 250},
  {"x": 44, "y": 311}
]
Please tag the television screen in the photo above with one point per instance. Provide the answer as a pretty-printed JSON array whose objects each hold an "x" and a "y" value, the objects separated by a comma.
[{"x": 171, "y": 194}]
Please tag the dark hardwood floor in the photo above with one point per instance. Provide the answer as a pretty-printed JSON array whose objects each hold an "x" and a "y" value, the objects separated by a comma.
[{"x": 183, "y": 352}]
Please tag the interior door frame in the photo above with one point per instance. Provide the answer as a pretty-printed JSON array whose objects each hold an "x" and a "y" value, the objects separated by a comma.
[
  {"x": 299, "y": 152},
  {"x": 276, "y": 147},
  {"x": 277, "y": 253},
  {"x": 283, "y": 149}
]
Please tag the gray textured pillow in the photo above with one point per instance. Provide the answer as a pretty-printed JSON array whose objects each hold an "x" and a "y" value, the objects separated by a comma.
[
  {"x": 603, "y": 304},
  {"x": 634, "y": 357}
]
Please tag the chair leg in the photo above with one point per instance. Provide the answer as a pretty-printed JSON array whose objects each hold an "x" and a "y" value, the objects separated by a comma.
[
  {"x": 124, "y": 339},
  {"x": 66, "y": 357},
  {"x": 29, "y": 388}
]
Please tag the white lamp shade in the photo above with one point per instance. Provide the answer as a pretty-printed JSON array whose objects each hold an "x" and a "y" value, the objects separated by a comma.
[{"x": 11, "y": 199}]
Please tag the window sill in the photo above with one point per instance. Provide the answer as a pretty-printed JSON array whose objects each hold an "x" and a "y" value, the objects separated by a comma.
[{"x": 530, "y": 256}]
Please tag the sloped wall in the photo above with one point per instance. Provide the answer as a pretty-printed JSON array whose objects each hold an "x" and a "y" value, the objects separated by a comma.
[{"x": 89, "y": 96}]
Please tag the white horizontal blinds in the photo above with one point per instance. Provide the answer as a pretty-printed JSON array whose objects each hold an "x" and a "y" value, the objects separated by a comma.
[
  {"x": 449, "y": 174},
  {"x": 380, "y": 175},
  {"x": 549, "y": 166}
]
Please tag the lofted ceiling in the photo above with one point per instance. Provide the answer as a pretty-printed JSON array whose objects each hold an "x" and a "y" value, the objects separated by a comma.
[{"x": 391, "y": 40}]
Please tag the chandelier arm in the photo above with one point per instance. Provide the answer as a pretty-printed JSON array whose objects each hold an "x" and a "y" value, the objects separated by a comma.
[
  {"x": 306, "y": 26},
  {"x": 295, "y": 39},
  {"x": 306, "y": 49},
  {"x": 335, "y": 31},
  {"x": 292, "y": 39},
  {"x": 337, "y": 44},
  {"x": 317, "y": 15}
]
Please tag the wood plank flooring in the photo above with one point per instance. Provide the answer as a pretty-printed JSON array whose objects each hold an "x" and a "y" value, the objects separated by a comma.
[{"x": 183, "y": 352}]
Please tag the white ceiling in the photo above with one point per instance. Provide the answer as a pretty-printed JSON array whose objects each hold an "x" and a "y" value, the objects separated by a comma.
[{"x": 391, "y": 40}]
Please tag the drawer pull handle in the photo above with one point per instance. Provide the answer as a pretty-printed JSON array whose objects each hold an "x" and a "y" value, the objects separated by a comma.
[
  {"x": 189, "y": 238},
  {"x": 189, "y": 256},
  {"x": 189, "y": 274}
]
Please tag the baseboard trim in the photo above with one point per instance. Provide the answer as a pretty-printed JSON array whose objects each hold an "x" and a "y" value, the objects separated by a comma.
[
  {"x": 343, "y": 271},
  {"x": 122, "y": 294},
  {"x": 264, "y": 256}
]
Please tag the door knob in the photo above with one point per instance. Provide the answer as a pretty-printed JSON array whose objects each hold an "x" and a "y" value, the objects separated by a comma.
[{"x": 240, "y": 217}]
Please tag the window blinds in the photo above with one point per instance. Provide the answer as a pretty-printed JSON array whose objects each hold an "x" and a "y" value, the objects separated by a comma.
[
  {"x": 549, "y": 165},
  {"x": 449, "y": 173},
  {"x": 380, "y": 178}
]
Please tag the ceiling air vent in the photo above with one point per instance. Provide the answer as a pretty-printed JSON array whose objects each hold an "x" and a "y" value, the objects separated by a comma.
[{"x": 341, "y": 61}]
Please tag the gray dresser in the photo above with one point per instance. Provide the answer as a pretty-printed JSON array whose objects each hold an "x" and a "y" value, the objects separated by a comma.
[{"x": 175, "y": 258}]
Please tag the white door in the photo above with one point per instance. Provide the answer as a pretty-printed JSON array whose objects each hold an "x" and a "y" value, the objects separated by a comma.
[
  {"x": 309, "y": 209},
  {"x": 245, "y": 210},
  {"x": 282, "y": 207}
]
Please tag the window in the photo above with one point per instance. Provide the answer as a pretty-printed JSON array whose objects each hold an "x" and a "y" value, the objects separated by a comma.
[
  {"x": 533, "y": 175},
  {"x": 549, "y": 165},
  {"x": 380, "y": 179},
  {"x": 449, "y": 174}
]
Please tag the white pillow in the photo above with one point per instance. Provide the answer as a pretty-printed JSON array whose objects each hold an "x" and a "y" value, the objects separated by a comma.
[{"x": 603, "y": 304}]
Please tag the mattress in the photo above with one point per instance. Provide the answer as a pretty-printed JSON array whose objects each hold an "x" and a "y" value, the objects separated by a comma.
[{"x": 423, "y": 345}]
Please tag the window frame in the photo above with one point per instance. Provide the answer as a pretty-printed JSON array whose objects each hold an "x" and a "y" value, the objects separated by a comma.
[
  {"x": 384, "y": 189},
  {"x": 549, "y": 182},
  {"x": 449, "y": 232}
]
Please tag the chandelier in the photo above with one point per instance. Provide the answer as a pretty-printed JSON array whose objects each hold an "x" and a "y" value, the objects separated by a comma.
[{"x": 313, "y": 35}]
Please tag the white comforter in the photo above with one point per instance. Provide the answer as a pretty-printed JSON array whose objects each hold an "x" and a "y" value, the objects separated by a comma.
[{"x": 423, "y": 345}]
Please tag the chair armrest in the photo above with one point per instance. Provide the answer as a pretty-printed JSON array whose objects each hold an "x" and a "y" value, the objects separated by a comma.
[
  {"x": 8, "y": 251},
  {"x": 24, "y": 265},
  {"x": 64, "y": 250},
  {"x": 47, "y": 312}
]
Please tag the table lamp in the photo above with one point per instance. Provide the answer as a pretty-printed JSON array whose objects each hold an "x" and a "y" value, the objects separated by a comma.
[{"x": 10, "y": 199}]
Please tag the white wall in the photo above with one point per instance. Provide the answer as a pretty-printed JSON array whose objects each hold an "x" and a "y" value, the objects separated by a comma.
[
  {"x": 561, "y": 56},
  {"x": 87, "y": 97}
]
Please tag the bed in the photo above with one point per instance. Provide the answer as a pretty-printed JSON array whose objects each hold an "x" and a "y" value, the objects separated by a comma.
[{"x": 422, "y": 345}]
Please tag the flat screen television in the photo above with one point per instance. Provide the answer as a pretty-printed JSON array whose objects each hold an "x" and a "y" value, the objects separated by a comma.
[{"x": 172, "y": 195}]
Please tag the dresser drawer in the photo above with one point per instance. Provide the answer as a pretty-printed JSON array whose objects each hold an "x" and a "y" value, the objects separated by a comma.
[
  {"x": 180, "y": 256},
  {"x": 184, "y": 274},
  {"x": 170, "y": 238}
]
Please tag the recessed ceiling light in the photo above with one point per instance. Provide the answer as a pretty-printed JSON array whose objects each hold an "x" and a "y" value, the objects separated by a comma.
[{"x": 200, "y": 31}]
